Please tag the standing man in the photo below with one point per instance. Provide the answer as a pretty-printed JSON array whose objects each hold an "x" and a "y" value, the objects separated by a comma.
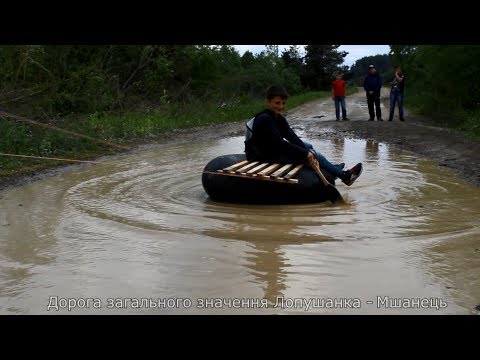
[
  {"x": 396, "y": 93},
  {"x": 372, "y": 86}
]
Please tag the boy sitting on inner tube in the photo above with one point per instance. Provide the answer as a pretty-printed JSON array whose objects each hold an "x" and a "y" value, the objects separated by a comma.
[{"x": 271, "y": 139}]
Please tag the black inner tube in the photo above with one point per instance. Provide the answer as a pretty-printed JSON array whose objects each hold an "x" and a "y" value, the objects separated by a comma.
[{"x": 249, "y": 190}]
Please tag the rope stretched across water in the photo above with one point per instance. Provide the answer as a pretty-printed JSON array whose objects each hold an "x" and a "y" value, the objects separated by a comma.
[
  {"x": 50, "y": 158},
  {"x": 20, "y": 118}
]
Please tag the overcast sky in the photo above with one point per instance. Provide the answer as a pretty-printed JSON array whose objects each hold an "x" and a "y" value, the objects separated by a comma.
[{"x": 355, "y": 52}]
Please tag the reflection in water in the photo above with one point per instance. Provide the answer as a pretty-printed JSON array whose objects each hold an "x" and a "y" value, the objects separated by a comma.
[
  {"x": 141, "y": 226},
  {"x": 371, "y": 147},
  {"x": 339, "y": 144},
  {"x": 266, "y": 236},
  {"x": 269, "y": 268}
]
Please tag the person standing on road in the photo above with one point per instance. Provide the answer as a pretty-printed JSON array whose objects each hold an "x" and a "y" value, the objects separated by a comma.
[
  {"x": 338, "y": 95},
  {"x": 372, "y": 86},
  {"x": 396, "y": 93}
]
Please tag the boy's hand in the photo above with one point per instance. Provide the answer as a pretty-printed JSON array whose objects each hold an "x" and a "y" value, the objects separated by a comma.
[{"x": 312, "y": 161}]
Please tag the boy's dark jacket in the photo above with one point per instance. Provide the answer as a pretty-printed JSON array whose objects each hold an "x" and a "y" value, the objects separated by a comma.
[
  {"x": 268, "y": 143},
  {"x": 373, "y": 83}
]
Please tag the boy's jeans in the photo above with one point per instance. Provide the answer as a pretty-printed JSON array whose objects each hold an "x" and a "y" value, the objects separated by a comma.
[
  {"x": 340, "y": 100},
  {"x": 396, "y": 97},
  {"x": 324, "y": 163}
]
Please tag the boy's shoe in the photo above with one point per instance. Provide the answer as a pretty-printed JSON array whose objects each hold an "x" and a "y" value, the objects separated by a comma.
[
  {"x": 402, "y": 119},
  {"x": 338, "y": 119},
  {"x": 379, "y": 119},
  {"x": 371, "y": 119},
  {"x": 346, "y": 119},
  {"x": 352, "y": 174}
]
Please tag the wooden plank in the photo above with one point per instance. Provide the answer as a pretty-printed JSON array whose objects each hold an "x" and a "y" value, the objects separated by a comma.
[
  {"x": 234, "y": 166},
  {"x": 252, "y": 178},
  {"x": 246, "y": 167},
  {"x": 293, "y": 172},
  {"x": 282, "y": 170},
  {"x": 269, "y": 170},
  {"x": 252, "y": 172}
]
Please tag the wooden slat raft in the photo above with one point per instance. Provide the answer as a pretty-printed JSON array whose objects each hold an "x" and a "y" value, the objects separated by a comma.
[{"x": 262, "y": 171}]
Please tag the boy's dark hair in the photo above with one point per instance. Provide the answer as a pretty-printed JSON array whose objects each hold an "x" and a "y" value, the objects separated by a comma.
[{"x": 276, "y": 90}]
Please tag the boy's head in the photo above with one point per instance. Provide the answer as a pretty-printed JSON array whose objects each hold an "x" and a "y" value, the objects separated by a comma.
[
  {"x": 338, "y": 75},
  {"x": 398, "y": 68},
  {"x": 276, "y": 90},
  {"x": 276, "y": 98}
]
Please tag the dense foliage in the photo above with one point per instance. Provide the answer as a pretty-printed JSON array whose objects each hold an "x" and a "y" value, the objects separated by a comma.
[
  {"x": 443, "y": 82},
  {"x": 53, "y": 81}
]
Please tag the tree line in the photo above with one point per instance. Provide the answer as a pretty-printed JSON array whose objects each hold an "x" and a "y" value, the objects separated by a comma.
[
  {"x": 59, "y": 80},
  {"x": 445, "y": 78},
  {"x": 54, "y": 81}
]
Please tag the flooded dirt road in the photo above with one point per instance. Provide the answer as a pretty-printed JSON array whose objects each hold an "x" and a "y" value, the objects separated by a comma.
[
  {"x": 138, "y": 235},
  {"x": 418, "y": 134}
]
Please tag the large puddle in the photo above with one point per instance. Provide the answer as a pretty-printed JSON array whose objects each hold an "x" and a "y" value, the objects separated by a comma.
[{"x": 137, "y": 234}]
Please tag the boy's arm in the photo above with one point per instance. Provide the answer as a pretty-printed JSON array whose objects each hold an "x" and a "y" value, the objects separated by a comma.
[
  {"x": 295, "y": 147},
  {"x": 290, "y": 135}
]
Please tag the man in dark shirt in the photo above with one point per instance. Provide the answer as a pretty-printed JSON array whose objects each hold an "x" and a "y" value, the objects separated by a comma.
[
  {"x": 273, "y": 140},
  {"x": 372, "y": 86}
]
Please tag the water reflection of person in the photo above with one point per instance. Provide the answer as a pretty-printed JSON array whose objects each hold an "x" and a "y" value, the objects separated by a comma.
[
  {"x": 339, "y": 144},
  {"x": 268, "y": 267},
  {"x": 267, "y": 259},
  {"x": 371, "y": 147}
]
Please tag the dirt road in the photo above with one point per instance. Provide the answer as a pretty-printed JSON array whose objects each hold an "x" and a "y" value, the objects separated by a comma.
[{"x": 418, "y": 134}]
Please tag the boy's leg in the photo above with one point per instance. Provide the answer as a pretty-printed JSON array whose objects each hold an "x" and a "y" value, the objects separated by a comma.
[
  {"x": 400, "y": 106},
  {"x": 310, "y": 147},
  {"x": 370, "y": 107},
  {"x": 348, "y": 177},
  {"x": 377, "y": 108},
  {"x": 328, "y": 166},
  {"x": 393, "y": 99},
  {"x": 344, "y": 107},
  {"x": 337, "y": 108}
]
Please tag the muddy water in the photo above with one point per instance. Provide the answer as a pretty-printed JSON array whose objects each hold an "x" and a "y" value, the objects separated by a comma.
[{"x": 139, "y": 235}]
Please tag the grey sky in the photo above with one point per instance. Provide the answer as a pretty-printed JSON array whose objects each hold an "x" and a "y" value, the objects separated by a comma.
[{"x": 355, "y": 52}]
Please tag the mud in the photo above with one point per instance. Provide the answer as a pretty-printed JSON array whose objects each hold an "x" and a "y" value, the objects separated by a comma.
[{"x": 418, "y": 134}]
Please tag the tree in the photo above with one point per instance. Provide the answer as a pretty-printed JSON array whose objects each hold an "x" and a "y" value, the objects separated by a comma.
[
  {"x": 402, "y": 54},
  {"x": 321, "y": 61},
  {"x": 359, "y": 69},
  {"x": 292, "y": 59},
  {"x": 247, "y": 60}
]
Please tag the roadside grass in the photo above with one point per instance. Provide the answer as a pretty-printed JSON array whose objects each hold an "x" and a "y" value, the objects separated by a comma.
[
  {"x": 448, "y": 115},
  {"x": 116, "y": 128}
]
